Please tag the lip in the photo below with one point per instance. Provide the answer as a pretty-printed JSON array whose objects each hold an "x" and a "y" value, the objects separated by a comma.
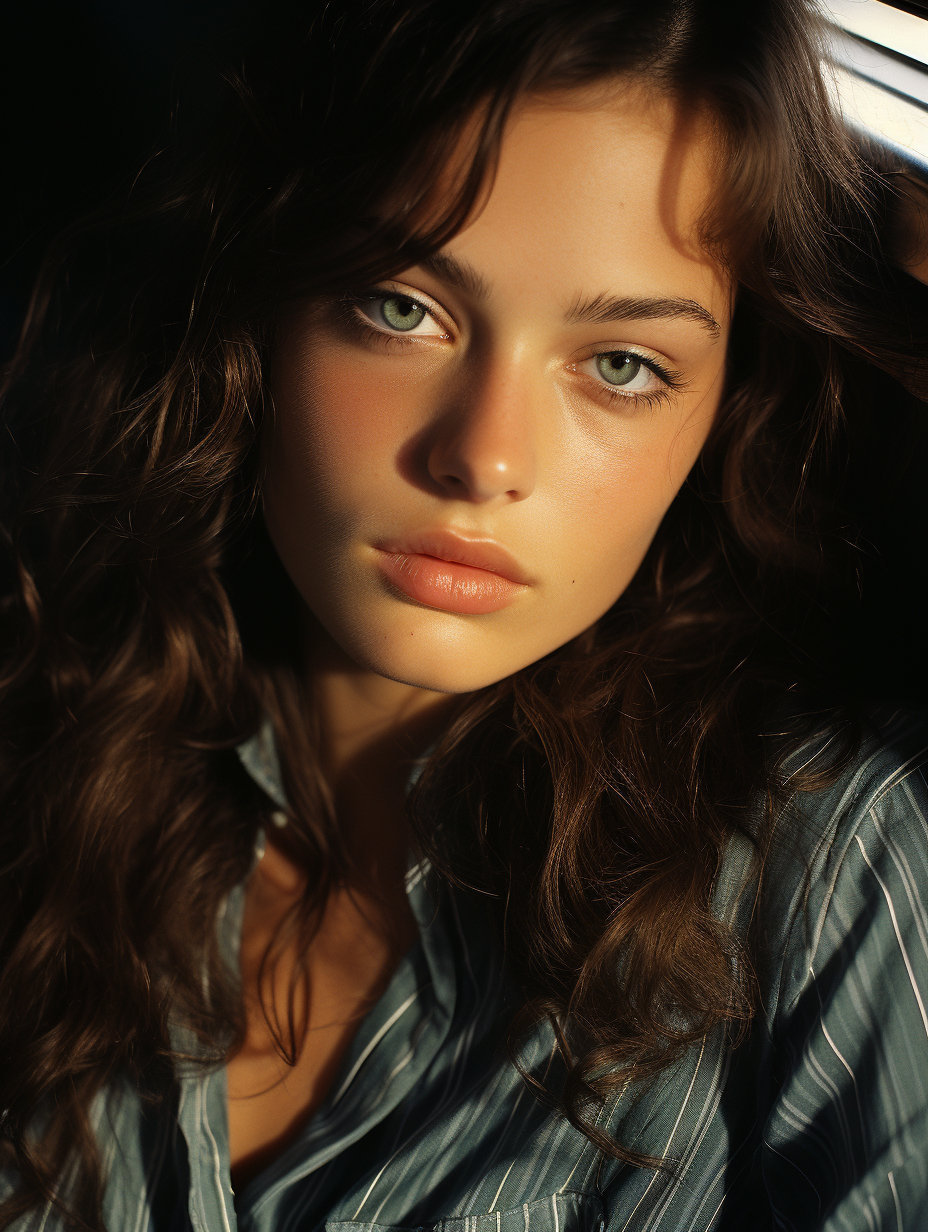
[{"x": 449, "y": 571}]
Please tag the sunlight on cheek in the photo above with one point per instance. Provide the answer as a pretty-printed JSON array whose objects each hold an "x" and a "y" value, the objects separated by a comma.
[
  {"x": 701, "y": 407},
  {"x": 616, "y": 491},
  {"x": 633, "y": 479},
  {"x": 600, "y": 537},
  {"x": 500, "y": 429}
]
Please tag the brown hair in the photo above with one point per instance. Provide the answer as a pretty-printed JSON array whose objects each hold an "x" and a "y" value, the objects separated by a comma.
[{"x": 591, "y": 795}]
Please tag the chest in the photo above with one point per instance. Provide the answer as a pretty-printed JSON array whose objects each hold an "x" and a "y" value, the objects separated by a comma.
[
  {"x": 436, "y": 1129},
  {"x": 304, "y": 1003}
]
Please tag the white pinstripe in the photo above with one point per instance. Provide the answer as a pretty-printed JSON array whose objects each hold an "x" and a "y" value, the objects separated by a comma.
[{"x": 902, "y": 950}]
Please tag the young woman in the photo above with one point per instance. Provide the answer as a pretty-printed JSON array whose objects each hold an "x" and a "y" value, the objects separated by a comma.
[{"x": 435, "y": 793}]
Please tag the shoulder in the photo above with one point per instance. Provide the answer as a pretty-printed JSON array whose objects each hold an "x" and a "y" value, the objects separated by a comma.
[
  {"x": 845, "y": 881},
  {"x": 840, "y": 929}
]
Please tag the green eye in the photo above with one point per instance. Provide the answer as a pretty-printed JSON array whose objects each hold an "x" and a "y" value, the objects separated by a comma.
[
  {"x": 618, "y": 367},
  {"x": 401, "y": 313}
]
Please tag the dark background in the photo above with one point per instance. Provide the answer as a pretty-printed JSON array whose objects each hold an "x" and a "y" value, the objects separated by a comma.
[{"x": 87, "y": 91}]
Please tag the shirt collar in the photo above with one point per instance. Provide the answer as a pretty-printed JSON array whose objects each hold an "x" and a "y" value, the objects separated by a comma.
[
  {"x": 258, "y": 754},
  {"x": 403, "y": 1033}
]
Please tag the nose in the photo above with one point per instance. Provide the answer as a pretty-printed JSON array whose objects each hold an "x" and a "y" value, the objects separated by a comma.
[{"x": 484, "y": 445}]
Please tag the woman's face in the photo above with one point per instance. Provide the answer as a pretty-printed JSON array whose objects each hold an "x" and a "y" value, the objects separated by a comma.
[{"x": 469, "y": 461}]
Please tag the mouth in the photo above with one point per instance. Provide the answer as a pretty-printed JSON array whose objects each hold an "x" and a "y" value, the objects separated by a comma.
[{"x": 448, "y": 571}]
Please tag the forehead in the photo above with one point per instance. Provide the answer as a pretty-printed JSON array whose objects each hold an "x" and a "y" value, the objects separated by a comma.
[{"x": 601, "y": 188}]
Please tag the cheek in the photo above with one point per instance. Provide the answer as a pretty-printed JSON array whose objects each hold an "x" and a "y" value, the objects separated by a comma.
[
  {"x": 615, "y": 489},
  {"x": 337, "y": 426},
  {"x": 357, "y": 413}
]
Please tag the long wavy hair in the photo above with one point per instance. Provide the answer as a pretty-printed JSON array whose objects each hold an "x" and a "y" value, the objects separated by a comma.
[{"x": 146, "y": 626}]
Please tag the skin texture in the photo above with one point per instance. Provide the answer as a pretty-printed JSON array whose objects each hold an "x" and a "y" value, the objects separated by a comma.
[{"x": 491, "y": 418}]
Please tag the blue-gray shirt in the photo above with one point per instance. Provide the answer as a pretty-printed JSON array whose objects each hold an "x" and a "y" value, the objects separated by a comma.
[{"x": 819, "y": 1121}]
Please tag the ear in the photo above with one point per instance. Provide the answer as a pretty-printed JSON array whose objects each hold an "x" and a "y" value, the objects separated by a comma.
[{"x": 908, "y": 240}]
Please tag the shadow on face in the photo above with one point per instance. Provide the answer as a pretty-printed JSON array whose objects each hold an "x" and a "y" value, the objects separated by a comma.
[{"x": 469, "y": 461}]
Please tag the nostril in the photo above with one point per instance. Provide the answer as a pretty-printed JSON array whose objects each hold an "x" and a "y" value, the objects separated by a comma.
[{"x": 469, "y": 461}]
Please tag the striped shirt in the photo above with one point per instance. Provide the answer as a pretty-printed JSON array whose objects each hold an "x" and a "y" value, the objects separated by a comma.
[{"x": 819, "y": 1121}]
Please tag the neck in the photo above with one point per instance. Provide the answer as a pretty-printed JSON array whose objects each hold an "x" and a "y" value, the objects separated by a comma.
[
  {"x": 361, "y": 711},
  {"x": 373, "y": 729}
]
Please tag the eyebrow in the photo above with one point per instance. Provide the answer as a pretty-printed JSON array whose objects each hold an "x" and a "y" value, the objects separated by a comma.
[
  {"x": 458, "y": 274},
  {"x": 599, "y": 310},
  {"x": 605, "y": 308}
]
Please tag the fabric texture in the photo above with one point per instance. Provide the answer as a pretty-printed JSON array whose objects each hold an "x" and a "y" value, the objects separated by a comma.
[{"x": 818, "y": 1122}]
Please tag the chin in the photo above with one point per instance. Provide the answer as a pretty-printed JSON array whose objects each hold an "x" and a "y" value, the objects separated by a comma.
[
  {"x": 435, "y": 650},
  {"x": 428, "y": 665}
]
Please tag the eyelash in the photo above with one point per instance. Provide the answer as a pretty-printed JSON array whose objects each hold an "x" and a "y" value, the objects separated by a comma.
[
  {"x": 672, "y": 381},
  {"x": 670, "y": 378},
  {"x": 353, "y": 301}
]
